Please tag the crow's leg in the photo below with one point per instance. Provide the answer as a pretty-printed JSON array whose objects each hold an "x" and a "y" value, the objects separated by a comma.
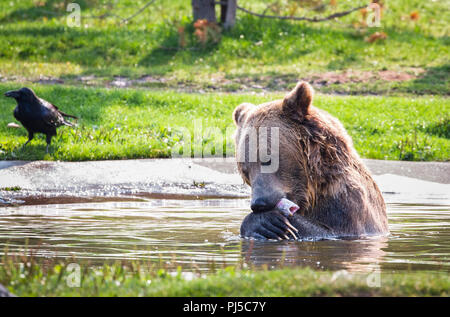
[
  {"x": 30, "y": 137},
  {"x": 49, "y": 140}
]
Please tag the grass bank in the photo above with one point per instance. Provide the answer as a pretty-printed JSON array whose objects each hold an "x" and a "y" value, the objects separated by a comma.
[
  {"x": 160, "y": 48},
  {"x": 134, "y": 123},
  {"x": 25, "y": 277}
]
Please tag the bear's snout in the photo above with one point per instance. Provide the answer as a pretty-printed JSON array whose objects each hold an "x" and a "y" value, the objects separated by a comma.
[
  {"x": 261, "y": 204},
  {"x": 264, "y": 195}
]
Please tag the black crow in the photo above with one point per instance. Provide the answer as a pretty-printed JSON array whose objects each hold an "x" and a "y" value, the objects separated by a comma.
[{"x": 37, "y": 115}]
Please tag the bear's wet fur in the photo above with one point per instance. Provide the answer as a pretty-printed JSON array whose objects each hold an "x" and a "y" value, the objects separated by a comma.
[{"x": 319, "y": 170}]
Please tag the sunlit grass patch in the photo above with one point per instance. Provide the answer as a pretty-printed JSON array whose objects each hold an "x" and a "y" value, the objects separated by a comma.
[
  {"x": 136, "y": 123},
  {"x": 29, "y": 276}
]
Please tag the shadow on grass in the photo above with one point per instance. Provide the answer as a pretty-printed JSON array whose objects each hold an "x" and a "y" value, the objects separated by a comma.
[
  {"x": 434, "y": 81},
  {"x": 84, "y": 47},
  {"x": 51, "y": 8},
  {"x": 168, "y": 47},
  {"x": 439, "y": 128}
]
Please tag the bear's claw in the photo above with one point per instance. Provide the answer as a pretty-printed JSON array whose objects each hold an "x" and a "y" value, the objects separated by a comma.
[
  {"x": 292, "y": 234},
  {"x": 286, "y": 221}
]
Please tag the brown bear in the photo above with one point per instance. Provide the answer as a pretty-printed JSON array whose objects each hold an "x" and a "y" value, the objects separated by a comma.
[{"x": 318, "y": 169}]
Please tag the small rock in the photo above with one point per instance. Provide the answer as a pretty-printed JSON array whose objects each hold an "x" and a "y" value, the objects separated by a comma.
[
  {"x": 120, "y": 82},
  {"x": 10, "y": 202},
  {"x": 4, "y": 292},
  {"x": 13, "y": 125}
]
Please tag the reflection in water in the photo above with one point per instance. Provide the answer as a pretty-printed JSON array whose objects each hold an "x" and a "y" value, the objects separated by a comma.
[
  {"x": 352, "y": 255},
  {"x": 197, "y": 233}
]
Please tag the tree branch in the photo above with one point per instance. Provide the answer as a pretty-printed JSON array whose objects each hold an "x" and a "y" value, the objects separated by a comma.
[{"x": 314, "y": 19}]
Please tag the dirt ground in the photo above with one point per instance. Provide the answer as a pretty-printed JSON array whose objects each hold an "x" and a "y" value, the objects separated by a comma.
[{"x": 219, "y": 82}]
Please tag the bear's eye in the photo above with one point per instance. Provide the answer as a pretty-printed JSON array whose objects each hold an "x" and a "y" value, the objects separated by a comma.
[
  {"x": 244, "y": 170},
  {"x": 269, "y": 162}
]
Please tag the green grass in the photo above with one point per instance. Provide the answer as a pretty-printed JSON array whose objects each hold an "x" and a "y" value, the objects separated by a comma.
[
  {"x": 25, "y": 277},
  {"x": 136, "y": 123},
  {"x": 35, "y": 41},
  {"x": 11, "y": 189}
]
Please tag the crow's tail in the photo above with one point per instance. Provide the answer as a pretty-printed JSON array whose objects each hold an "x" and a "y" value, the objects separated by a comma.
[
  {"x": 69, "y": 124},
  {"x": 67, "y": 115}
]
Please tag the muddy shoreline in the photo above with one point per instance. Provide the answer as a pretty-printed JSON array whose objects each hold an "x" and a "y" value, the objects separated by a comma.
[{"x": 47, "y": 182}]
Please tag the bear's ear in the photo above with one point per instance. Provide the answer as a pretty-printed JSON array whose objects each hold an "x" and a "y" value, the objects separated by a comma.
[
  {"x": 240, "y": 112},
  {"x": 296, "y": 103}
]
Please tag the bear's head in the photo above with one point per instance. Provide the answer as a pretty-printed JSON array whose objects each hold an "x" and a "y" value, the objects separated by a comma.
[{"x": 289, "y": 149}]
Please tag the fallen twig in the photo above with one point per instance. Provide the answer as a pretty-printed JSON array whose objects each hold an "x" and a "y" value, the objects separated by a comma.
[
  {"x": 138, "y": 12},
  {"x": 314, "y": 19}
]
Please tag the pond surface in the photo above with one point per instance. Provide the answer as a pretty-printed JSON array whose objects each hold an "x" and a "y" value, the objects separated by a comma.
[{"x": 197, "y": 233}]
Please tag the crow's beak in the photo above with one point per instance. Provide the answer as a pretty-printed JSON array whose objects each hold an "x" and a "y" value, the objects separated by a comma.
[{"x": 12, "y": 94}]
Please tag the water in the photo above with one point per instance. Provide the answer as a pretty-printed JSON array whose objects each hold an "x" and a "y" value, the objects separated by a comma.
[{"x": 197, "y": 233}]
